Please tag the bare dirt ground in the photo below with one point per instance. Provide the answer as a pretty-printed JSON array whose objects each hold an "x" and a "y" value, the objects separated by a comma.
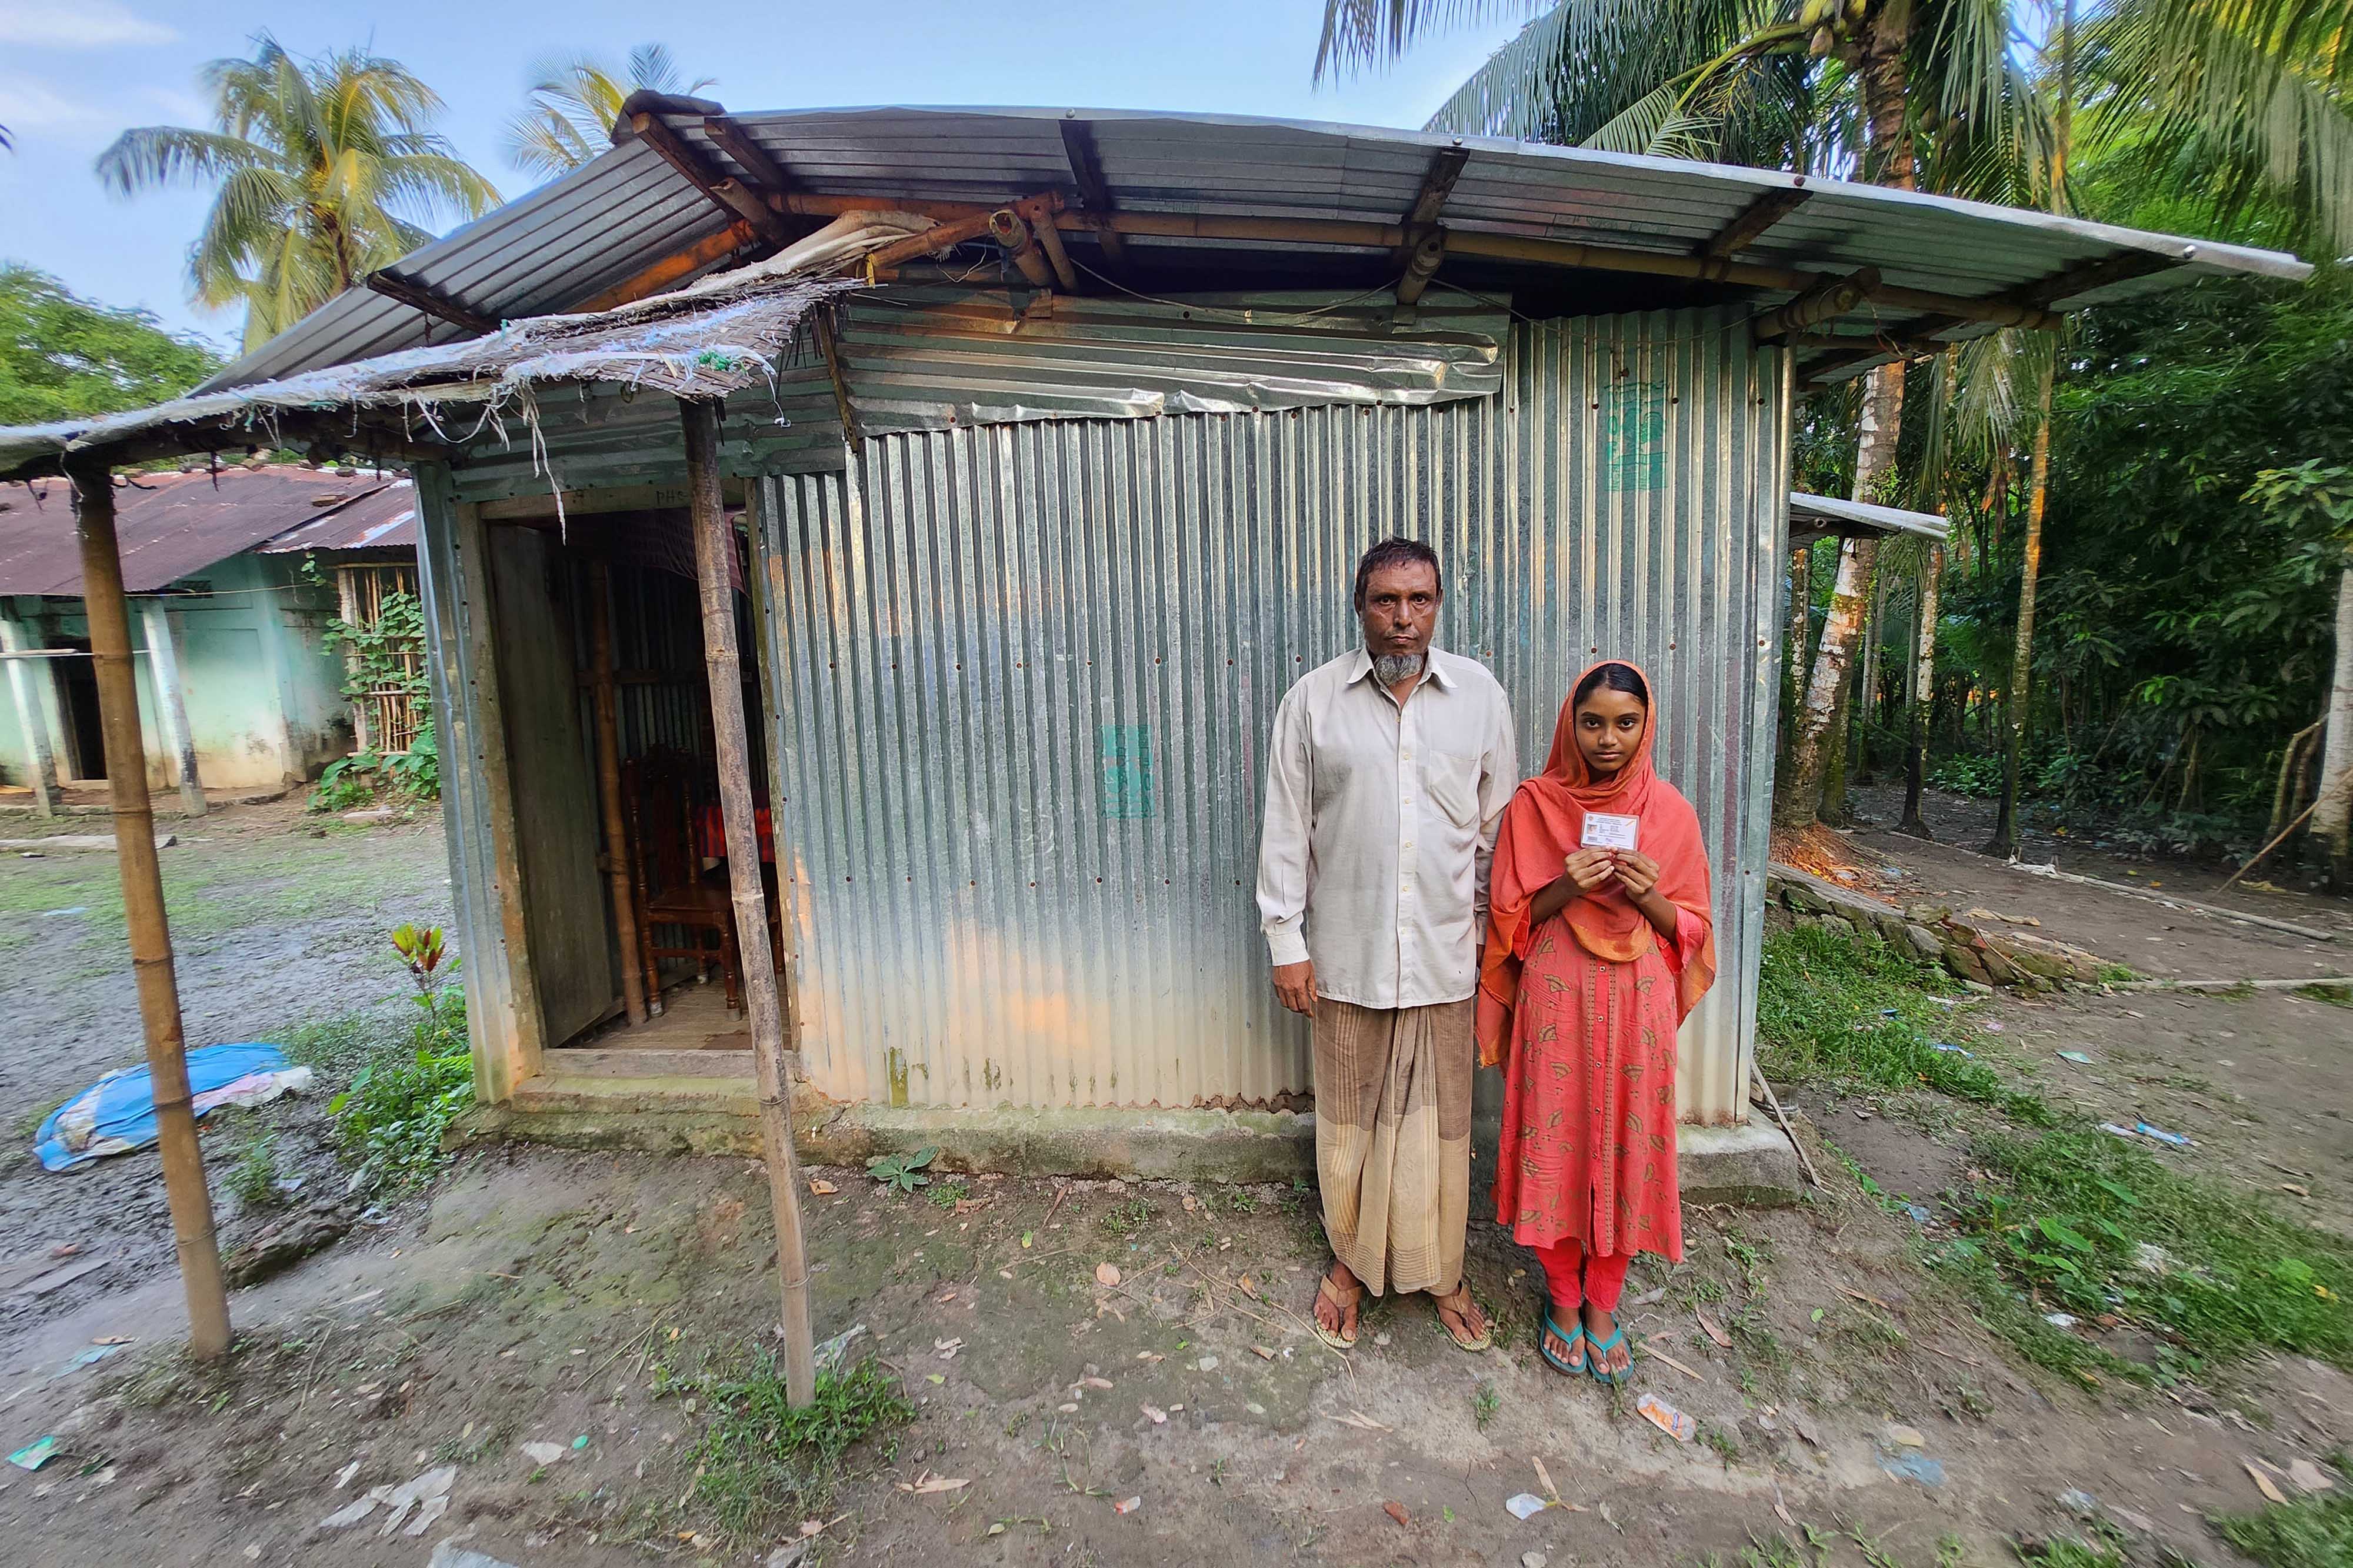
[
  {"x": 277, "y": 918},
  {"x": 1841, "y": 1395}
]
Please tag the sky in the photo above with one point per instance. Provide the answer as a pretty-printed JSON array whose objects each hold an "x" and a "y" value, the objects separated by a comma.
[{"x": 74, "y": 74}]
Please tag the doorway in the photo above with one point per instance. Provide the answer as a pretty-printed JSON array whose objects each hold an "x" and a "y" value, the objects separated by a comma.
[{"x": 85, "y": 731}]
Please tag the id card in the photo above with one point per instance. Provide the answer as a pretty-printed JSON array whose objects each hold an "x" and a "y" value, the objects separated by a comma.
[{"x": 1604, "y": 831}]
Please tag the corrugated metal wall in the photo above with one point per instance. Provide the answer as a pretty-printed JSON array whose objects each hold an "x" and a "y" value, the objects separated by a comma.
[{"x": 1023, "y": 677}]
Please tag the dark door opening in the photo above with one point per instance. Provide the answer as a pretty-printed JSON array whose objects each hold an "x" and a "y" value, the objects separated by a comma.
[{"x": 85, "y": 736}]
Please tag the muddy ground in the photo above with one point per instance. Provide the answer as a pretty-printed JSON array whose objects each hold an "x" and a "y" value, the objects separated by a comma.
[
  {"x": 547, "y": 1297},
  {"x": 277, "y": 917}
]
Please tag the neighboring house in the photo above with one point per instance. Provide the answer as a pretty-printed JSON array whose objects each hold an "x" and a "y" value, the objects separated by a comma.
[
  {"x": 212, "y": 562},
  {"x": 1033, "y": 541}
]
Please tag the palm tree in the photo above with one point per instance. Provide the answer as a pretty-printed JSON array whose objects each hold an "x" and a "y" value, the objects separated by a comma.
[
  {"x": 2247, "y": 96},
  {"x": 574, "y": 103},
  {"x": 327, "y": 169}
]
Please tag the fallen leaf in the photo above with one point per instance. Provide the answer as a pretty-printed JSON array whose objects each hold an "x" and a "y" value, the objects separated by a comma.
[
  {"x": 1544, "y": 1479},
  {"x": 1248, "y": 1289},
  {"x": 1396, "y": 1510},
  {"x": 823, "y": 1189},
  {"x": 1127, "y": 1505},
  {"x": 1723, "y": 1340},
  {"x": 1150, "y": 1355},
  {"x": 1106, "y": 1273},
  {"x": 1362, "y": 1422},
  {"x": 2264, "y": 1484},
  {"x": 1159, "y": 1416},
  {"x": 112, "y": 1340},
  {"x": 925, "y": 1485},
  {"x": 2300, "y": 1191},
  {"x": 1191, "y": 1203},
  {"x": 1865, "y": 1296},
  {"x": 1262, "y": 1353}
]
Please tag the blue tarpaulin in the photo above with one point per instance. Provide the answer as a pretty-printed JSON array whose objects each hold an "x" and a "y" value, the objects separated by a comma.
[{"x": 117, "y": 1113}]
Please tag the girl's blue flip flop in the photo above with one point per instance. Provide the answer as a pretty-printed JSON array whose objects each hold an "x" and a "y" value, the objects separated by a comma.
[
  {"x": 1566, "y": 1338},
  {"x": 1595, "y": 1350}
]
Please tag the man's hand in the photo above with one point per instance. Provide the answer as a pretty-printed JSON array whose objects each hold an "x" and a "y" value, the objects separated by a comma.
[
  {"x": 1590, "y": 870},
  {"x": 1637, "y": 873},
  {"x": 1295, "y": 985}
]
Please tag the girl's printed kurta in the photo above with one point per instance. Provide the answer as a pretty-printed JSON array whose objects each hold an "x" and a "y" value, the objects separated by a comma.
[
  {"x": 1581, "y": 1011},
  {"x": 1588, "y": 1140}
]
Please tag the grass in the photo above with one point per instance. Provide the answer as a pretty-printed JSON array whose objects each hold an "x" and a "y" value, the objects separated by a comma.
[
  {"x": 2067, "y": 1218},
  {"x": 1125, "y": 1220},
  {"x": 760, "y": 1462},
  {"x": 2308, "y": 1532},
  {"x": 252, "y": 1176},
  {"x": 1484, "y": 1404}
]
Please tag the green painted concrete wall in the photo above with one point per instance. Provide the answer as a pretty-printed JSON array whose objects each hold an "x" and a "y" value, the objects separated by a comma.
[{"x": 262, "y": 687}]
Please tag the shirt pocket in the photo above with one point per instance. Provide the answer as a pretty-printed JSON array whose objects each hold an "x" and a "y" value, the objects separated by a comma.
[{"x": 1451, "y": 782}]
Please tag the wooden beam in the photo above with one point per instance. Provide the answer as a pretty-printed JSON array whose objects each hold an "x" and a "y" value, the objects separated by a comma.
[
  {"x": 143, "y": 915},
  {"x": 1039, "y": 212},
  {"x": 1755, "y": 218},
  {"x": 1424, "y": 246},
  {"x": 605, "y": 698},
  {"x": 1014, "y": 238},
  {"x": 2084, "y": 276},
  {"x": 417, "y": 296},
  {"x": 675, "y": 267},
  {"x": 1829, "y": 298},
  {"x": 1910, "y": 347},
  {"x": 1086, "y": 172},
  {"x": 1421, "y": 266},
  {"x": 828, "y": 345},
  {"x": 773, "y": 1030},
  {"x": 1358, "y": 234},
  {"x": 655, "y": 132},
  {"x": 938, "y": 239},
  {"x": 732, "y": 139}
]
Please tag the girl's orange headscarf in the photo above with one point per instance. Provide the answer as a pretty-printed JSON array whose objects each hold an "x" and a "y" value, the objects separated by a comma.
[{"x": 1544, "y": 825}]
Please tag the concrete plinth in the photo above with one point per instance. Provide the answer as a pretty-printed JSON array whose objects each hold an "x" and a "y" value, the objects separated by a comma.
[{"x": 1749, "y": 1164}]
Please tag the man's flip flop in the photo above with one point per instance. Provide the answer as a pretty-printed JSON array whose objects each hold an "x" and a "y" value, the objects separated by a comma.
[
  {"x": 1446, "y": 1304},
  {"x": 1575, "y": 1341},
  {"x": 1342, "y": 1302},
  {"x": 1596, "y": 1350}
]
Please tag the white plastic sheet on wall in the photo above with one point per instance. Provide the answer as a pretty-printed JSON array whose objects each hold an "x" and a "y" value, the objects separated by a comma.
[{"x": 1022, "y": 676}]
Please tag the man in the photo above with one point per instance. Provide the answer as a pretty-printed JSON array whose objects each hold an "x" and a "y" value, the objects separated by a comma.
[{"x": 1389, "y": 772}]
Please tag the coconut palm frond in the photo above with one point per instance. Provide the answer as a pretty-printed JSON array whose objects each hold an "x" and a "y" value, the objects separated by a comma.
[
  {"x": 2263, "y": 90},
  {"x": 572, "y": 102},
  {"x": 1361, "y": 33}
]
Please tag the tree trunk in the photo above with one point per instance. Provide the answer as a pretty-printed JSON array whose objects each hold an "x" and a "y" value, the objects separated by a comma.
[
  {"x": 1866, "y": 698},
  {"x": 2332, "y": 817},
  {"x": 1797, "y": 645},
  {"x": 1923, "y": 691},
  {"x": 1798, "y": 797},
  {"x": 2018, "y": 697},
  {"x": 1835, "y": 810}
]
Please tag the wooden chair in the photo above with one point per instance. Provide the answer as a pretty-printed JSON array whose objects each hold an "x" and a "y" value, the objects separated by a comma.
[{"x": 657, "y": 795}]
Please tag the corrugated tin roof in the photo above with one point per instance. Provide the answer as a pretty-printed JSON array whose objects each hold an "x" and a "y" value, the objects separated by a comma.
[
  {"x": 169, "y": 525},
  {"x": 627, "y": 208},
  {"x": 1812, "y": 517},
  {"x": 385, "y": 519}
]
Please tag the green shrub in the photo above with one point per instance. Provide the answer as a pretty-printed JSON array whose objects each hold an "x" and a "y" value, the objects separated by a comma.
[
  {"x": 762, "y": 1463},
  {"x": 391, "y": 1120}
]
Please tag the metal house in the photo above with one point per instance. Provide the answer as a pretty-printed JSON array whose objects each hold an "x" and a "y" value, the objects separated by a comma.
[{"x": 1051, "y": 438}]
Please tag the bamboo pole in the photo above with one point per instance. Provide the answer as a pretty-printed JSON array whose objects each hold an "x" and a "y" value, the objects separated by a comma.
[
  {"x": 713, "y": 550},
  {"x": 143, "y": 909},
  {"x": 605, "y": 690},
  {"x": 172, "y": 702}
]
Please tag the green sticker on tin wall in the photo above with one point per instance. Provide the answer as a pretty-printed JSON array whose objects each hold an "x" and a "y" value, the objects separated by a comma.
[
  {"x": 1125, "y": 771},
  {"x": 1637, "y": 436}
]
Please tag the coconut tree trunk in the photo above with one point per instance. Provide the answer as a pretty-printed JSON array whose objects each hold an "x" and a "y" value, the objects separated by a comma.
[
  {"x": 1865, "y": 706},
  {"x": 2332, "y": 815},
  {"x": 2017, "y": 696},
  {"x": 1797, "y": 648},
  {"x": 1924, "y": 692},
  {"x": 1798, "y": 797}
]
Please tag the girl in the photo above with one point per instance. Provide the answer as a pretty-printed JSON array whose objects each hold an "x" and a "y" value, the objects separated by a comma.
[{"x": 1593, "y": 956}]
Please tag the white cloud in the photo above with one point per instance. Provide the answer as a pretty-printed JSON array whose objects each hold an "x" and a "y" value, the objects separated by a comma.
[
  {"x": 30, "y": 105},
  {"x": 82, "y": 25}
]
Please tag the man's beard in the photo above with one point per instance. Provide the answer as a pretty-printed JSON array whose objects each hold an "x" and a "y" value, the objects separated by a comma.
[{"x": 1394, "y": 668}]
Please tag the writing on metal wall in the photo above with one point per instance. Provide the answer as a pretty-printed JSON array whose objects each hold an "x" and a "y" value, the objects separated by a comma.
[
  {"x": 1124, "y": 769},
  {"x": 1637, "y": 447}
]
